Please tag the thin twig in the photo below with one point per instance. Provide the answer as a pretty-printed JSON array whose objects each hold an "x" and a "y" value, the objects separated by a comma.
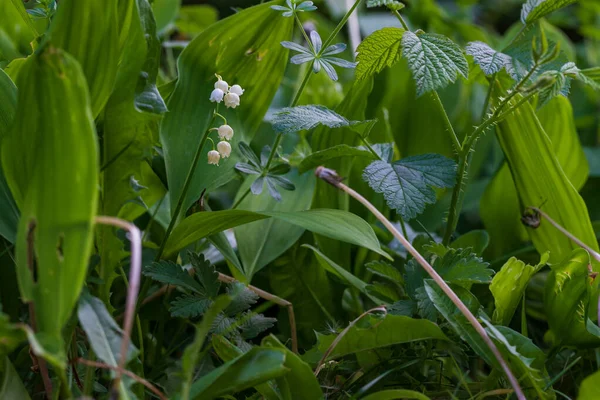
[
  {"x": 332, "y": 178},
  {"x": 343, "y": 333},
  {"x": 121, "y": 371},
  {"x": 135, "y": 272}
]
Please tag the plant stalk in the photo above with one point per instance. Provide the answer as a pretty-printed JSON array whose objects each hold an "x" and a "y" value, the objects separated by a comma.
[{"x": 332, "y": 178}]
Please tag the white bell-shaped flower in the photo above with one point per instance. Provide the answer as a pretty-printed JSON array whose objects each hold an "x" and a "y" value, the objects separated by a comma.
[
  {"x": 232, "y": 100},
  {"x": 224, "y": 149},
  {"x": 217, "y": 95},
  {"x": 214, "y": 157},
  {"x": 225, "y": 132},
  {"x": 237, "y": 89},
  {"x": 221, "y": 84}
]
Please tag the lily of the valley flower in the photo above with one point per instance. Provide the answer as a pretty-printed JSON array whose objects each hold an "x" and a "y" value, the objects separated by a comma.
[
  {"x": 236, "y": 89},
  {"x": 225, "y": 132},
  {"x": 232, "y": 100},
  {"x": 322, "y": 58},
  {"x": 217, "y": 95},
  {"x": 214, "y": 157},
  {"x": 221, "y": 84},
  {"x": 293, "y": 8},
  {"x": 224, "y": 149}
]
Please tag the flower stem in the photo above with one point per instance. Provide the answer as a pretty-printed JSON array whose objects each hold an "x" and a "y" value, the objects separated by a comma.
[
  {"x": 332, "y": 178},
  {"x": 404, "y": 25},
  {"x": 237, "y": 203},
  {"x": 447, "y": 123}
]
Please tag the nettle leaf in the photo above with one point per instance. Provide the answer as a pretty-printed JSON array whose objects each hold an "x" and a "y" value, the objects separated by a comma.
[
  {"x": 391, "y": 4},
  {"x": 170, "y": 273},
  {"x": 295, "y": 119},
  {"x": 535, "y": 9},
  {"x": 189, "y": 306},
  {"x": 379, "y": 50},
  {"x": 407, "y": 184},
  {"x": 463, "y": 266},
  {"x": 434, "y": 60},
  {"x": 489, "y": 60}
]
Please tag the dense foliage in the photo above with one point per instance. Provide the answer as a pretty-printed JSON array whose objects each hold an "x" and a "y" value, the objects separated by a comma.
[{"x": 299, "y": 199}]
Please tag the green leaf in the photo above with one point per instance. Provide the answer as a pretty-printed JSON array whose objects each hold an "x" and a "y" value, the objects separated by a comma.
[
  {"x": 11, "y": 386},
  {"x": 252, "y": 35},
  {"x": 434, "y": 60},
  {"x": 57, "y": 215},
  {"x": 407, "y": 184},
  {"x": 206, "y": 274},
  {"x": 301, "y": 118},
  {"x": 248, "y": 370},
  {"x": 476, "y": 239},
  {"x": 535, "y": 9},
  {"x": 9, "y": 217},
  {"x": 566, "y": 299},
  {"x": 300, "y": 383},
  {"x": 508, "y": 287},
  {"x": 261, "y": 242},
  {"x": 191, "y": 354},
  {"x": 87, "y": 29},
  {"x": 172, "y": 274},
  {"x": 322, "y": 157},
  {"x": 380, "y": 49},
  {"x": 385, "y": 270},
  {"x": 336, "y": 224},
  {"x": 102, "y": 331},
  {"x": 16, "y": 30},
  {"x": 462, "y": 266},
  {"x": 590, "y": 387},
  {"x": 525, "y": 360},
  {"x": 165, "y": 12},
  {"x": 242, "y": 298},
  {"x": 489, "y": 60},
  {"x": 392, "y": 330},
  {"x": 10, "y": 336},
  {"x": 189, "y": 306},
  {"x": 393, "y": 394},
  {"x": 255, "y": 325},
  {"x": 343, "y": 274}
]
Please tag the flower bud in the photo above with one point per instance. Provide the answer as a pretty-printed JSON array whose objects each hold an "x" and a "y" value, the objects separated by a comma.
[
  {"x": 237, "y": 89},
  {"x": 224, "y": 149},
  {"x": 214, "y": 157},
  {"x": 221, "y": 84},
  {"x": 225, "y": 132},
  {"x": 232, "y": 100},
  {"x": 217, "y": 95}
]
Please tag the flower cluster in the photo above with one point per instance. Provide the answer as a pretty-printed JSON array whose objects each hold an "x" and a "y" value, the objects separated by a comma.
[
  {"x": 222, "y": 91},
  {"x": 231, "y": 95}
]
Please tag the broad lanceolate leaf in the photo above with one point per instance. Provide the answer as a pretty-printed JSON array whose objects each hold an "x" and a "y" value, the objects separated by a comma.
[
  {"x": 295, "y": 119},
  {"x": 490, "y": 60},
  {"x": 434, "y": 60},
  {"x": 535, "y": 9},
  {"x": 508, "y": 287},
  {"x": 336, "y": 224},
  {"x": 380, "y": 49},
  {"x": 244, "y": 49},
  {"x": 87, "y": 29},
  {"x": 9, "y": 217},
  {"x": 16, "y": 30},
  {"x": 56, "y": 215},
  {"x": 394, "y": 329},
  {"x": 102, "y": 331},
  {"x": 407, "y": 185}
]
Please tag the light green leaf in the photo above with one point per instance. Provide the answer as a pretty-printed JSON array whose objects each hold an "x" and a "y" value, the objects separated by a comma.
[
  {"x": 434, "y": 60},
  {"x": 11, "y": 386},
  {"x": 195, "y": 18},
  {"x": 407, "y": 184},
  {"x": 380, "y": 49},
  {"x": 508, "y": 287},
  {"x": 9, "y": 217},
  {"x": 57, "y": 215},
  {"x": 393, "y": 329},
  {"x": 87, "y": 29},
  {"x": 336, "y": 224},
  {"x": 302, "y": 118},
  {"x": 590, "y": 387},
  {"x": 16, "y": 30},
  {"x": 165, "y": 12},
  {"x": 394, "y": 394},
  {"x": 300, "y": 383},
  {"x": 244, "y": 49},
  {"x": 10, "y": 336},
  {"x": 535, "y": 9},
  {"x": 341, "y": 150},
  {"x": 476, "y": 239}
]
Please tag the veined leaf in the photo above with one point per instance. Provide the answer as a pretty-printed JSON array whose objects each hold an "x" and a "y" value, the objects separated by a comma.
[
  {"x": 535, "y": 9},
  {"x": 9, "y": 217},
  {"x": 393, "y": 329},
  {"x": 87, "y": 29},
  {"x": 172, "y": 274},
  {"x": 462, "y": 266},
  {"x": 16, "y": 30},
  {"x": 380, "y": 49},
  {"x": 391, "y": 4},
  {"x": 244, "y": 49},
  {"x": 300, "y": 118},
  {"x": 508, "y": 287},
  {"x": 341, "y": 150},
  {"x": 189, "y": 306},
  {"x": 336, "y": 224},
  {"x": 407, "y": 185},
  {"x": 56, "y": 215},
  {"x": 490, "y": 60},
  {"x": 434, "y": 60}
]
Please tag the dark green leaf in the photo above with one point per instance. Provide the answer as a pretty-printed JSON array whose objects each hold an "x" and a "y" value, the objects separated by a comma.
[
  {"x": 341, "y": 150},
  {"x": 206, "y": 274},
  {"x": 11, "y": 386},
  {"x": 248, "y": 153},
  {"x": 255, "y": 325},
  {"x": 463, "y": 266},
  {"x": 242, "y": 298},
  {"x": 189, "y": 306},
  {"x": 385, "y": 270},
  {"x": 9, "y": 217},
  {"x": 396, "y": 394},
  {"x": 170, "y": 273},
  {"x": 300, "y": 118}
]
